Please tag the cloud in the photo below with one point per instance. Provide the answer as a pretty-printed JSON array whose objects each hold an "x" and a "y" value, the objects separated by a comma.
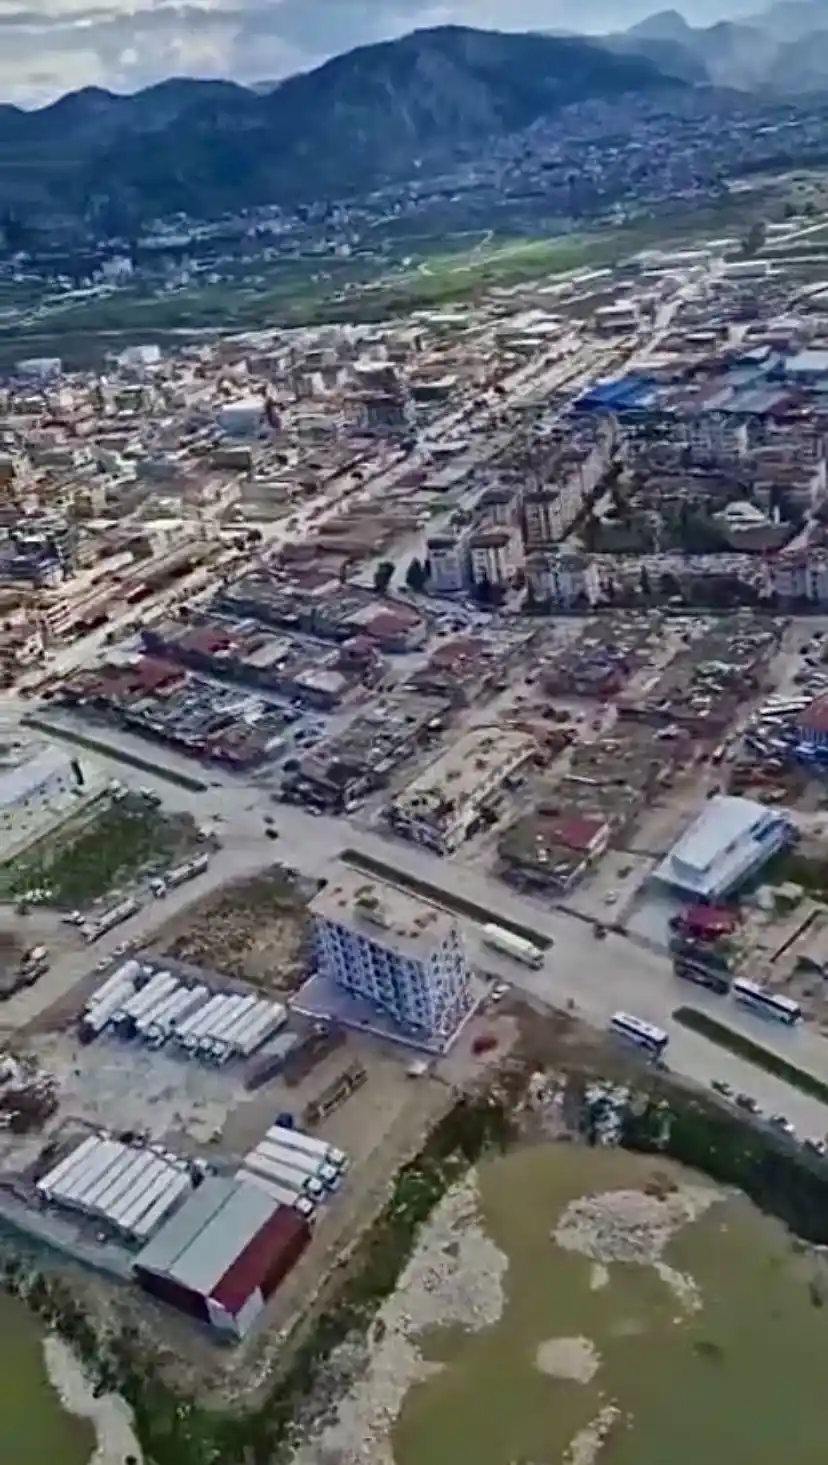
[{"x": 56, "y": 45}]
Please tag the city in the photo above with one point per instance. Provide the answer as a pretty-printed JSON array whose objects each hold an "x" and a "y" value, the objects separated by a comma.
[{"x": 414, "y": 724}]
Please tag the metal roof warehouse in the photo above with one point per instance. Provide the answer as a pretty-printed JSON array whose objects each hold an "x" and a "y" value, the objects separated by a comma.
[
  {"x": 223, "y": 1254},
  {"x": 730, "y": 840}
]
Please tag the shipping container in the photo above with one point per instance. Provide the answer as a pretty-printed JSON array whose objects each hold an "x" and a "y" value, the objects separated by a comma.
[
  {"x": 314, "y": 1165},
  {"x": 248, "y": 1042},
  {"x": 158, "y": 1009},
  {"x": 294, "y": 1180},
  {"x": 280, "y": 1193},
  {"x": 98, "y": 1014},
  {"x": 130, "y": 969},
  {"x": 309, "y": 1144},
  {"x": 270, "y": 1064},
  {"x": 76, "y": 1157},
  {"x": 158, "y": 986},
  {"x": 236, "y": 1005},
  {"x": 140, "y": 1164},
  {"x": 149, "y": 1221}
]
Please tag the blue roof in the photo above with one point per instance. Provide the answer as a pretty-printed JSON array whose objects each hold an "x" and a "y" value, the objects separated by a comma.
[
  {"x": 730, "y": 839},
  {"x": 808, "y": 363}
]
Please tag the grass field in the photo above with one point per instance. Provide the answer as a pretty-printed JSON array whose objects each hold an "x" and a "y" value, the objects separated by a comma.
[
  {"x": 738, "y": 1381},
  {"x": 86, "y": 862}
]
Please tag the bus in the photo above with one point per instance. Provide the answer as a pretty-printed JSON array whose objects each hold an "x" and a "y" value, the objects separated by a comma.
[
  {"x": 642, "y": 1034},
  {"x": 765, "y": 1003}
]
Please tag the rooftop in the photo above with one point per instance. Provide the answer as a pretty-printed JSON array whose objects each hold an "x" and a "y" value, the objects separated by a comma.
[
  {"x": 479, "y": 757},
  {"x": 381, "y": 913},
  {"x": 728, "y": 840}
]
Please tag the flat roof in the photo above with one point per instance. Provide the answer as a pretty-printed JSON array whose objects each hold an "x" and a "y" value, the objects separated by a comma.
[
  {"x": 479, "y": 755},
  {"x": 729, "y": 839},
  {"x": 382, "y": 914}
]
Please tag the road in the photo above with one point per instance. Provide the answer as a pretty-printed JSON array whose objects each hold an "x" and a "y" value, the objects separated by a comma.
[{"x": 599, "y": 977}]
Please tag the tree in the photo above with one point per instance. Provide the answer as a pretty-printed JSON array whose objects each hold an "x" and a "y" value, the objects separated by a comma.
[
  {"x": 383, "y": 575},
  {"x": 755, "y": 238},
  {"x": 645, "y": 583},
  {"x": 415, "y": 575}
]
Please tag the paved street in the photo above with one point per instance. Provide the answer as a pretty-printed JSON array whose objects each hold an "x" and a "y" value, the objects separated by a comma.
[{"x": 600, "y": 977}]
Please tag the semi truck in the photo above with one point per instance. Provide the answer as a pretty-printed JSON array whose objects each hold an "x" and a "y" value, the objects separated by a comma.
[{"x": 509, "y": 944}]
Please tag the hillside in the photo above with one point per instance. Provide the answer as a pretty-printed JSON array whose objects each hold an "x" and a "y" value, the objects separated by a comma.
[
  {"x": 378, "y": 112},
  {"x": 783, "y": 49}
]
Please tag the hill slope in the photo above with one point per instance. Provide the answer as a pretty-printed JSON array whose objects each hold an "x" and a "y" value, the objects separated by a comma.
[
  {"x": 782, "y": 49},
  {"x": 374, "y": 113}
]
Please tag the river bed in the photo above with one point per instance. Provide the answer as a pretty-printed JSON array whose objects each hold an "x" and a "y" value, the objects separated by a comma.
[{"x": 47, "y": 1410}]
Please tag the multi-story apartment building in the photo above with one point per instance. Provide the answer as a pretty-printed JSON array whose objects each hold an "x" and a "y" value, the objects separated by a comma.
[
  {"x": 493, "y": 556},
  {"x": 448, "y": 559},
  {"x": 403, "y": 958},
  {"x": 563, "y": 579},
  {"x": 799, "y": 575}
]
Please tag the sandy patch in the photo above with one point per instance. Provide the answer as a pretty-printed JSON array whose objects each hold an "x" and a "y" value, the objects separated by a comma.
[
  {"x": 576, "y": 1359},
  {"x": 454, "y": 1279},
  {"x": 631, "y": 1226},
  {"x": 111, "y": 1416},
  {"x": 588, "y": 1443}
]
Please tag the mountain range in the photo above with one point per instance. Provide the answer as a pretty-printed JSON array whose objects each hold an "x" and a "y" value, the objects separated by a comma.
[
  {"x": 782, "y": 50},
  {"x": 388, "y": 111},
  {"x": 379, "y": 112}
]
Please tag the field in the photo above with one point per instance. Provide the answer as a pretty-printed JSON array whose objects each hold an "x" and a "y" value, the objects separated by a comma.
[
  {"x": 668, "y": 1322},
  {"x": 253, "y": 931},
  {"x": 90, "y": 858}
]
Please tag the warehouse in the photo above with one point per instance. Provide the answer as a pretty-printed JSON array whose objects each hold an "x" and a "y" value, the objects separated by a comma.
[
  {"x": 224, "y": 1254},
  {"x": 724, "y": 847}
]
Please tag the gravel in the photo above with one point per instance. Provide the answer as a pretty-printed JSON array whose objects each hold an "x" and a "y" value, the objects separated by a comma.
[
  {"x": 634, "y": 1227},
  {"x": 454, "y": 1279}
]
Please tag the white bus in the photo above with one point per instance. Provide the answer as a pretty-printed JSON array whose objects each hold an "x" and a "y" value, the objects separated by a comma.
[
  {"x": 642, "y": 1034},
  {"x": 765, "y": 1003}
]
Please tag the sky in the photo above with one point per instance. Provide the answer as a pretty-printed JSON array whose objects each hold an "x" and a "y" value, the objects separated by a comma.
[{"x": 54, "y": 46}]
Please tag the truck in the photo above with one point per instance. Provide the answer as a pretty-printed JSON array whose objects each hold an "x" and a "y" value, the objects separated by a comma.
[
  {"x": 512, "y": 945},
  {"x": 280, "y": 1193},
  {"x": 110, "y": 919},
  {"x": 182, "y": 873},
  {"x": 312, "y": 1166},
  {"x": 287, "y": 1138},
  {"x": 296, "y": 1181}
]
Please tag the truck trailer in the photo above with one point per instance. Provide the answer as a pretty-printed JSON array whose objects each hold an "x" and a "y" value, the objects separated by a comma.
[{"x": 511, "y": 945}]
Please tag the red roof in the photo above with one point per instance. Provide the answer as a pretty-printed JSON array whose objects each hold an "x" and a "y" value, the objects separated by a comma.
[
  {"x": 285, "y": 1234},
  {"x": 715, "y": 920},
  {"x": 578, "y": 832}
]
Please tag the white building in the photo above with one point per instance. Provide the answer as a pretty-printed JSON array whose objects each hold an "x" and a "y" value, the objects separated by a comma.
[
  {"x": 403, "y": 957},
  {"x": 729, "y": 842},
  {"x": 800, "y": 575},
  {"x": 493, "y": 556},
  {"x": 30, "y": 792},
  {"x": 448, "y": 559},
  {"x": 243, "y": 417},
  {"x": 563, "y": 579}
]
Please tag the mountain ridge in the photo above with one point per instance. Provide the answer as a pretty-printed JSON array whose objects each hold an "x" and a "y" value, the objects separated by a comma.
[{"x": 359, "y": 119}]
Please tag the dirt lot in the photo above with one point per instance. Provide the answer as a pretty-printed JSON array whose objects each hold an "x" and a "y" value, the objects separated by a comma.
[{"x": 254, "y": 931}]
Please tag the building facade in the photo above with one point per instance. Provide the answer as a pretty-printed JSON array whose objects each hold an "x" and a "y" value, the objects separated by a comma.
[{"x": 402, "y": 957}]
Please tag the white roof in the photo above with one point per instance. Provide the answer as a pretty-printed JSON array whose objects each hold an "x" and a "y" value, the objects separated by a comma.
[{"x": 730, "y": 838}]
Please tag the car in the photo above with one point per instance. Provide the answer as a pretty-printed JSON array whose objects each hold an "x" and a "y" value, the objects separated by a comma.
[
  {"x": 720, "y": 1087},
  {"x": 745, "y": 1101},
  {"x": 779, "y": 1121},
  {"x": 816, "y": 1146}
]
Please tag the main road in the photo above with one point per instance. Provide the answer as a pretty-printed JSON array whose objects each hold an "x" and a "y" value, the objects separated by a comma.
[{"x": 596, "y": 977}]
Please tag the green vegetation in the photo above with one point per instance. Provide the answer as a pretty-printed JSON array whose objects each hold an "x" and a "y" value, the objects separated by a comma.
[
  {"x": 734, "y": 1042},
  {"x": 172, "y": 1428},
  {"x": 34, "y": 1428},
  {"x": 722, "y": 1385},
  {"x": 83, "y": 864}
]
